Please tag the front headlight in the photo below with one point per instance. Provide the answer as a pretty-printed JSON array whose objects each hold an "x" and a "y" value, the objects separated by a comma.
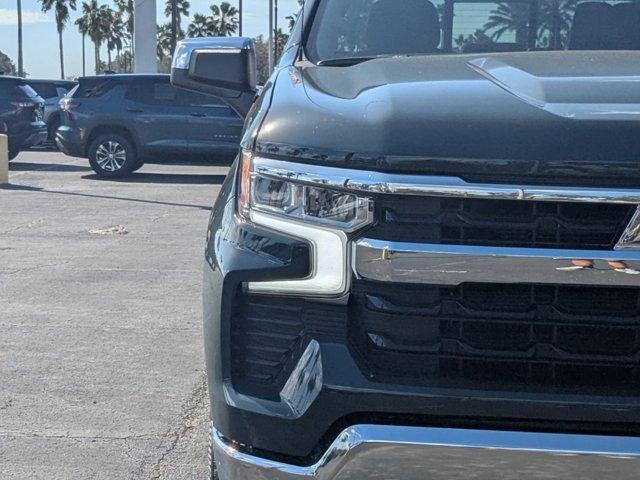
[{"x": 321, "y": 216}]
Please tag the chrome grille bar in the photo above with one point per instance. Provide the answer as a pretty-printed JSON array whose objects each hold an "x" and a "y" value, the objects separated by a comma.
[
  {"x": 453, "y": 264},
  {"x": 398, "y": 184}
]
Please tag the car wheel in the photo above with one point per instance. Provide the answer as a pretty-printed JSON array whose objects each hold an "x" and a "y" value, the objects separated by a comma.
[
  {"x": 53, "y": 128},
  {"x": 13, "y": 153},
  {"x": 112, "y": 156},
  {"x": 138, "y": 166}
]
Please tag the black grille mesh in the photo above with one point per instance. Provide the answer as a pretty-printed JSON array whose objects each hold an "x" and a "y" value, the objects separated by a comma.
[
  {"x": 552, "y": 338},
  {"x": 505, "y": 223},
  {"x": 268, "y": 334}
]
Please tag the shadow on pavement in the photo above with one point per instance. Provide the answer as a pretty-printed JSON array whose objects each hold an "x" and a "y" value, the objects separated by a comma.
[
  {"x": 167, "y": 178},
  {"x": 107, "y": 197},
  {"x": 18, "y": 166}
]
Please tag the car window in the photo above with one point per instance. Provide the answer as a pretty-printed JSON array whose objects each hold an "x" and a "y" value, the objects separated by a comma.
[
  {"x": 62, "y": 91},
  {"x": 93, "y": 87},
  {"x": 201, "y": 100},
  {"x": 348, "y": 29},
  {"x": 153, "y": 92},
  {"x": 45, "y": 90}
]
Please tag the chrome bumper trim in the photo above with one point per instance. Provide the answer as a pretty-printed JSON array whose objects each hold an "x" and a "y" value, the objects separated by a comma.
[
  {"x": 631, "y": 236},
  {"x": 452, "y": 264},
  {"x": 378, "y": 452}
]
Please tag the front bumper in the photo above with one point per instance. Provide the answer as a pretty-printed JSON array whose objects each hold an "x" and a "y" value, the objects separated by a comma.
[
  {"x": 330, "y": 379},
  {"x": 415, "y": 453}
]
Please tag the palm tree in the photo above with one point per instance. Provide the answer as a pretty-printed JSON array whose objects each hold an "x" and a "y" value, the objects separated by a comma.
[
  {"x": 200, "y": 26},
  {"x": 20, "y": 63},
  {"x": 165, "y": 39},
  {"x": 114, "y": 35},
  {"x": 509, "y": 17},
  {"x": 292, "y": 18},
  {"x": 82, "y": 27},
  {"x": 61, "y": 8},
  {"x": 225, "y": 19},
  {"x": 556, "y": 17},
  {"x": 126, "y": 9},
  {"x": 95, "y": 21},
  {"x": 181, "y": 8}
]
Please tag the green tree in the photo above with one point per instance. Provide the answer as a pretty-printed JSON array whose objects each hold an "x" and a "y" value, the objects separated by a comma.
[
  {"x": 262, "y": 59},
  {"x": 281, "y": 40},
  {"x": 164, "y": 41},
  {"x": 509, "y": 17},
  {"x": 224, "y": 19},
  {"x": 122, "y": 63},
  {"x": 183, "y": 7},
  {"x": 61, "y": 9},
  {"x": 125, "y": 8},
  {"x": 200, "y": 26},
  {"x": 555, "y": 20},
  {"x": 95, "y": 23},
  {"x": 114, "y": 35},
  {"x": 479, "y": 37},
  {"x": 292, "y": 18},
  {"x": 7, "y": 67}
]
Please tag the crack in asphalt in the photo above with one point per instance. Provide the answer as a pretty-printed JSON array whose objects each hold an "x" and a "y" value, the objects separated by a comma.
[
  {"x": 15, "y": 271},
  {"x": 173, "y": 436},
  {"x": 17, "y": 228}
]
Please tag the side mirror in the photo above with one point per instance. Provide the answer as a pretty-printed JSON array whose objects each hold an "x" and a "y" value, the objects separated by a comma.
[{"x": 220, "y": 66}]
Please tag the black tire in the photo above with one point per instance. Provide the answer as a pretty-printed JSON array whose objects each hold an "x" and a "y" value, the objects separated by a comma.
[
  {"x": 138, "y": 166},
  {"x": 52, "y": 128},
  {"x": 112, "y": 155},
  {"x": 13, "y": 153}
]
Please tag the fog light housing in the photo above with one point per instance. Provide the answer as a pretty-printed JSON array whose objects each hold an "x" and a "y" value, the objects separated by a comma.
[{"x": 321, "y": 216}]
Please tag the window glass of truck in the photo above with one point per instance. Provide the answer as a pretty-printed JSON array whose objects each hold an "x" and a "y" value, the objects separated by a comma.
[{"x": 356, "y": 30}]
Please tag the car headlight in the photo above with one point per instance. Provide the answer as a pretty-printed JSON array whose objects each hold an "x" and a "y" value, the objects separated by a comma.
[{"x": 321, "y": 216}]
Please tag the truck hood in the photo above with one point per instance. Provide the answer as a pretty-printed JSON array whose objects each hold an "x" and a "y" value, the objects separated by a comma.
[{"x": 553, "y": 117}]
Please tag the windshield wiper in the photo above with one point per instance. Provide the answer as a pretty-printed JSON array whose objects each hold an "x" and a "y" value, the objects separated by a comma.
[{"x": 344, "y": 62}]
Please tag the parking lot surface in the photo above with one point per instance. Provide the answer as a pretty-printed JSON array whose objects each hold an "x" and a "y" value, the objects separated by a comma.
[{"x": 101, "y": 362}]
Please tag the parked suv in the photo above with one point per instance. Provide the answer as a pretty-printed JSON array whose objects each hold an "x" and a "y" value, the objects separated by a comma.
[
  {"x": 21, "y": 115},
  {"x": 119, "y": 121},
  {"x": 52, "y": 91},
  {"x": 425, "y": 262}
]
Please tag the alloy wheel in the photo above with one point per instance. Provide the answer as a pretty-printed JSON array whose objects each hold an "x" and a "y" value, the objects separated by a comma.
[{"x": 111, "y": 155}]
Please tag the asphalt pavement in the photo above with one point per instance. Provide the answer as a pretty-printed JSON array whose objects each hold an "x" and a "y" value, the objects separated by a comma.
[{"x": 101, "y": 358}]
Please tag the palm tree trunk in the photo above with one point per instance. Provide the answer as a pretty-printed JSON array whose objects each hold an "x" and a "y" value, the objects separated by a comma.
[
  {"x": 20, "y": 63},
  {"x": 108, "y": 58},
  {"x": 84, "y": 69},
  {"x": 240, "y": 17},
  {"x": 61, "y": 54},
  {"x": 96, "y": 55}
]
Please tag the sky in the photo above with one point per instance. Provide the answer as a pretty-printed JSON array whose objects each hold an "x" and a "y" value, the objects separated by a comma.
[{"x": 41, "y": 57}]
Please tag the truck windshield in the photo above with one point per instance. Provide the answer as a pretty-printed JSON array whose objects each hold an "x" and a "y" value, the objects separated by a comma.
[{"x": 349, "y": 31}]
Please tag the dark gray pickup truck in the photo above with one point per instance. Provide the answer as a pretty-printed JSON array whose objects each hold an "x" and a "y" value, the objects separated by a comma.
[{"x": 425, "y": 262}]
